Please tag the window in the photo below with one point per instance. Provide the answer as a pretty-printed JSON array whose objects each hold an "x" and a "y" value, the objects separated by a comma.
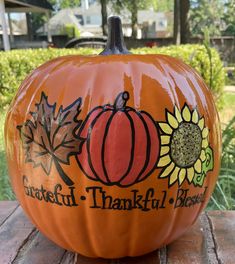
[
  {"x": 80, "y": 19},
  {"x": 88, "y": 20}
]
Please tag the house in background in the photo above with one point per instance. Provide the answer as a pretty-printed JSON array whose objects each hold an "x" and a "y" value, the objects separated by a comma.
[
  {"x": 155, "y": 24},
  {"x": 18, "y": 27},
  {"x": 57, "y": 24},
  {"x": 83, "y": 21},
  {"x": 88, "y": 20},
  {"x": 9, "y": 29}
]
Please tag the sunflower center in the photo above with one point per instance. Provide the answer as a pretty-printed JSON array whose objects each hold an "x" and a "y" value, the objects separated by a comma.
[{"x": 186, "y": 144}]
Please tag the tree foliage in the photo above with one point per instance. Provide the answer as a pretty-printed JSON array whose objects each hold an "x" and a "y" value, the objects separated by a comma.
[
  {"x": 37, "y": 20},
  {"x": 163, "y": 5},
  {"x": 206, "y": 14},
  {"x": 217, "y": 16},
  {"x": 229, "y": 18},
  {"x": 66, "y": 3}
]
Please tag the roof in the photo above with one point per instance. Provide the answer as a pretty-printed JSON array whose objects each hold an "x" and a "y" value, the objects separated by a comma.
[{"x": 27, "y": 5}]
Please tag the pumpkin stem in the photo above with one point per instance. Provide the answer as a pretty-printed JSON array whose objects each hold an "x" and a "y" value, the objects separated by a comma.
[
  {"x": 121, "y": 100},
  {"x": 115, "y": 42}
]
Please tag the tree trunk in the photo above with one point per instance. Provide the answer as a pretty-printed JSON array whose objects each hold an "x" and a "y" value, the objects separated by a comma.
[
  {"x": 184, "y": 23},
  {"x": 104, "y": 16},
  {"x": 134, "y": 20},
  {"x": 176, "y": 37},
  {"x": 29, "y": 26}
]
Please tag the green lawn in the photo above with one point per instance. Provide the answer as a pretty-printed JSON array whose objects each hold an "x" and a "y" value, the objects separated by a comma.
[
  {"x": 5, "y": 189},
  {"x": 224, "y": 195},
  {"x": 228, "y": 111}
]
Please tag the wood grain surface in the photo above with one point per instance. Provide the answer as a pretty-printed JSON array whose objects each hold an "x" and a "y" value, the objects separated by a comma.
[{"x": 210, "y": 240}]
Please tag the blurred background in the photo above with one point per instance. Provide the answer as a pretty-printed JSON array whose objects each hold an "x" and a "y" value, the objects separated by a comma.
[{"x": 37, "y": 24}]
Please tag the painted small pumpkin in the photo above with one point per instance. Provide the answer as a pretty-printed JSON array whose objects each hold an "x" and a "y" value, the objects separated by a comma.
[
  {"x": 113, "y": 155},
  {"x": 124, "y": 137}
]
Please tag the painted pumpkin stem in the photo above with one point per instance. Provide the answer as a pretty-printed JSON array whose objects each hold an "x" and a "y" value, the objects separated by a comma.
[
  {"x": 121, "y": 100},
  {"x": 115, "y": 42}
]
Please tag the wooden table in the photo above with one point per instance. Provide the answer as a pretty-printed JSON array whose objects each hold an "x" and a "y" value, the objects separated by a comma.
[{"x": 210, "y": 240}]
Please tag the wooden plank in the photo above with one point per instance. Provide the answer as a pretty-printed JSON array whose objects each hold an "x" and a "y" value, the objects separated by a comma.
[
  {"x": 209, "y": 245},
  {"x": 68, "y": 258},
  {"x": 13, "y": 233},
  {"x": 151, "y": 258},
  {"x": 6, "y": 209},
  {"x": 191, "y": 246},
  {"x": 79, "y": 259},
  {"x": 38, "y": 249},
  {"x": 223, "y": 230}
]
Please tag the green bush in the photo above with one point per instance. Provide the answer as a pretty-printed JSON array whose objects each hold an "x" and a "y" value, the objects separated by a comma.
[
  {"x": 71, "y": 31},
  {"x": 17, "y": 64}
]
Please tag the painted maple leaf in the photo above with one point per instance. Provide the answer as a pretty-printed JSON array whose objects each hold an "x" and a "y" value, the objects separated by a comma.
[{"x": 49, "y": 138}]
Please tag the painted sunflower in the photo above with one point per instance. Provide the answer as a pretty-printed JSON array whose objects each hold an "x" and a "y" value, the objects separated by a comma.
[{"x": 183, "y": 144}]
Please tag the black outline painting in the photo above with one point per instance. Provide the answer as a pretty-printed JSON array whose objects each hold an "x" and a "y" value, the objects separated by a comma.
[
  {"x": 150, "y": 152},
  {"x": 50, "y": 137},
  {"x": 185, "y": 152}
]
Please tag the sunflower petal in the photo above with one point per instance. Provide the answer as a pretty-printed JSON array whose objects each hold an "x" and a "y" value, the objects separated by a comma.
[
  {"x": 201, "y": 123},
  {"x": 203, "y": 155},
  {"x": 190, "y": 174},
  {"x": 167, "y": 170},
  {"x": 205, "y": 132},
  {"x": 186, "y": 113},
  {"x": 164, "y": 150},
  {"x": 198, "y": 166},
  {"x": 163, "y": 161},
  {"x": 173, "y": 122},
  {"x": 182, "y": 175},
  {"x": 174, "y": 175},
  {"x": 195, "y": 116},
  {"x": 205, "y": 143},
  {"x": 178, "y": 115},
  {"x": 165, "y": 140},
  {"x": 166, "y": 128}
]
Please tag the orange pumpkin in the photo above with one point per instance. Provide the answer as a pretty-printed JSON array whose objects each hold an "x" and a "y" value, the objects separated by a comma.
[
  {"x": 113, "y": 155},
  {"x": 136, "y": 145}
]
